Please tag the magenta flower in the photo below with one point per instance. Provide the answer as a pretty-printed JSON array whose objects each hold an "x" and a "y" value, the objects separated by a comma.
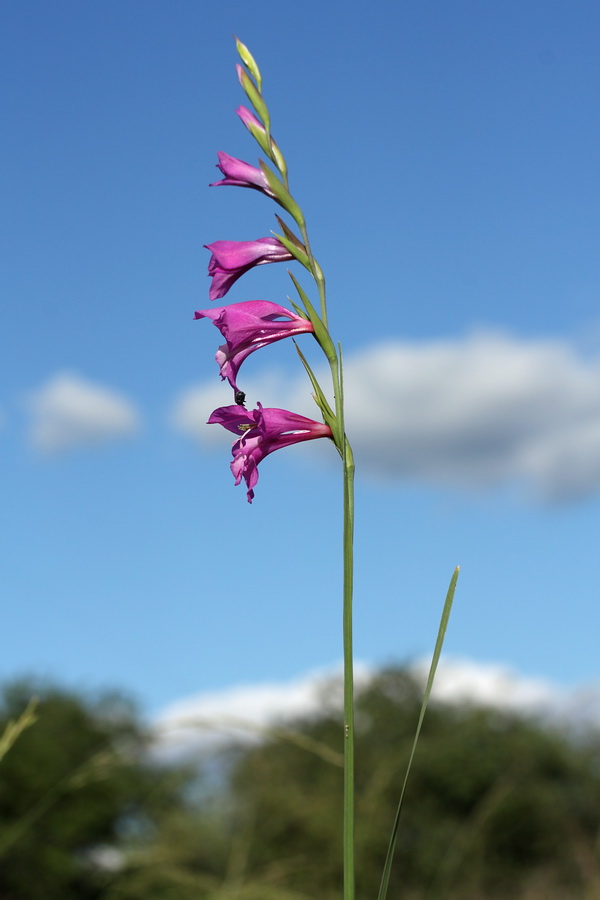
[
  {"x": 242, "y": 174},
  {"x": 263, "y": 431},
  {"x": 230, "y": 259},
  {"x": 247, "y": 327}
]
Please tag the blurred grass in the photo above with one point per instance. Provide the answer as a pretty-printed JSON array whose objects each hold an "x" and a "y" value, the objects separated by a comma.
[
  {"x": 498, "y": 807},
  {"x": 15, "y": 727}
]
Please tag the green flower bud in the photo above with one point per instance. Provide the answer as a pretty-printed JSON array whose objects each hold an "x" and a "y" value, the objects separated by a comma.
[{"x": 249, "y": 62}]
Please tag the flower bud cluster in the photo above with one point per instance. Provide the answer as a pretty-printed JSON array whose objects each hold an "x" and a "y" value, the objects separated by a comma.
[{"x": 254, "y": 324}]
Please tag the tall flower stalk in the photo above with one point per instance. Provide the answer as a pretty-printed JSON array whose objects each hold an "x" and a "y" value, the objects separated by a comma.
[{"x": 252, "y": 325}]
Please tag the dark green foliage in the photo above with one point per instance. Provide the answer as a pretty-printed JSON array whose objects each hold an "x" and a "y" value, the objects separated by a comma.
[
  {"x": 498, "y": 808},
  {"x": 73, "y": 782},
  {"x": 495, "y": 804}
]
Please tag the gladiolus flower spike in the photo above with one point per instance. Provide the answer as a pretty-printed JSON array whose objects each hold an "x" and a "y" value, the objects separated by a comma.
[
  {"x": 262, "y": 432},
  {"x": 230, "y": 259},
  {"x": 249, "y": 326}
]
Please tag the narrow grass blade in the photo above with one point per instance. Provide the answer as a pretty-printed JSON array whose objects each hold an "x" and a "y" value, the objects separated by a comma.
[
  {"x": 14, "y": 728},
  {"x": 385, "y": 878}
]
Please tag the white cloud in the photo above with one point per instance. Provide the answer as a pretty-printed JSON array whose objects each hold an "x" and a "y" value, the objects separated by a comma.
[
  {"x": 479, "y": 411},
  {"x": 193, "y": 407},
  {"x": 476, "y": 412},
  {"x": 246, "y": 712},
  {"x": 492, "y": 684},
  {"x": 68, "y": 412}
]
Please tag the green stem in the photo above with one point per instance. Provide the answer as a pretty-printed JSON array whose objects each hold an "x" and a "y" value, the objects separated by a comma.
[
  {"x": 348, "y": 676},
  {"x": 316, "y": 272},
  {"x": 335, "y": 362}
]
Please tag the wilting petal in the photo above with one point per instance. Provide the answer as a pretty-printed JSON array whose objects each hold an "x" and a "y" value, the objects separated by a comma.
[
  {"x": 230, "y": 259},
  {"x": 249, "y": 326},
  {"x": 241, "y": 174},
  {"x": 263, "y": 431}
]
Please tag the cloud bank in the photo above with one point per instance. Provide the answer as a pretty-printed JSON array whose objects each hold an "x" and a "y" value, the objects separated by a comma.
[
  {"x": 69, "y": 412},
  {"x": 479, "y": 411},
  {"x": 474, "y": 412},
  {"x": 246, "y": 712}
]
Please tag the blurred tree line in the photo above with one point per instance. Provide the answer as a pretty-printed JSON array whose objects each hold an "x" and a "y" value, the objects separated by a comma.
[{"x": 498, "y": 808}]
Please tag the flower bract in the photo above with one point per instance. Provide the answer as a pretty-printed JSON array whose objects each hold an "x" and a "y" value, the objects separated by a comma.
[
  {"x": 249, "y": 326},
  {"x": 230, "y": 259},
  {"x": 261, "y": 431}
]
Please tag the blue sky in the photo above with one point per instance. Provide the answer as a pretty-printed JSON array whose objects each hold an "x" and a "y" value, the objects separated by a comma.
[{"x": 446, "y": 157}]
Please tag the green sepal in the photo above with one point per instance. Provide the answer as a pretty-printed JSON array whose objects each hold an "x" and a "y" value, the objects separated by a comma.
[
  {"x": 318, "y": 272},
  {"x": 290, "y": 234},
  {"x": 259, "y": 135},
  {"x": 296, "y": 252},
  {"x": 319, "y": 397},
  {"x": 282, "y": 195},
  {"x": 297, "y": 308},
  {"x": 255, "y": 98},
  {"x": 249, "y": 62},
  {"x": 277, "y": 156},
  {"x": 321, "y": 333},
  {"x": 338, "y": 392}
]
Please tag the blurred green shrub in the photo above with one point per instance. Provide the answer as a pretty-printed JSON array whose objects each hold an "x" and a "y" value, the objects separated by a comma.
[
  {"x": 72, "y": 786},
  {"x": 498, "y": 808}
]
